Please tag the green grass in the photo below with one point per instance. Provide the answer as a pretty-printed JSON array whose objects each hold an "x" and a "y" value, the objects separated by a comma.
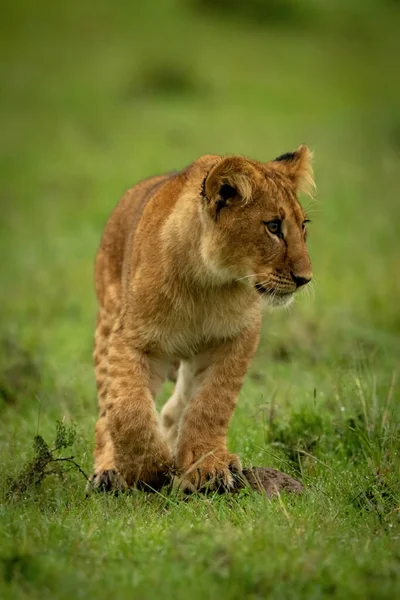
[{"x": 96, "y": 96}]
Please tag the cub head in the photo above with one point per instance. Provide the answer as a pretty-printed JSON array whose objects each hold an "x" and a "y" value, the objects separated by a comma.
[{"x": 253, "y": 226}]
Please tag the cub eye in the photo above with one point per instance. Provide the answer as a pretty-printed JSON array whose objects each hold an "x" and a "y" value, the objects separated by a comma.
[{"x": 274, "y": 227}]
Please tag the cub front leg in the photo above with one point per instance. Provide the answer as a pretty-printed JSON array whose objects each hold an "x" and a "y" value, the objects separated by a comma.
[
  {"x": 202, "y": 455},
  {"x": 141, "y": 455}
]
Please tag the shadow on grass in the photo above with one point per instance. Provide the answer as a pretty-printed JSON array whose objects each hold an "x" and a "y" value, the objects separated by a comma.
[
  {"x": 164, "y": 80},
  {"x": 19, "y": 372},
  {"x": 256, "y": 12}
]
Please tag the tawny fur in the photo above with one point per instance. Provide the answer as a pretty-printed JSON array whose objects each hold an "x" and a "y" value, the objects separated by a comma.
[{"x": 183, "y": 266}]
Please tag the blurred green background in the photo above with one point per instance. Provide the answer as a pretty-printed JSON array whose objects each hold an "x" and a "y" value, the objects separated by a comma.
[{"x": 96, "y": 96}]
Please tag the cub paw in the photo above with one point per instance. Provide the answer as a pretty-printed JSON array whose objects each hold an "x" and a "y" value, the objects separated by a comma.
[
  {"x": 216, "y": 472},
  {"x": 154, "y": 481},
  {"x": 150, "y": 476},
  {"x": 106, "y": 481}
]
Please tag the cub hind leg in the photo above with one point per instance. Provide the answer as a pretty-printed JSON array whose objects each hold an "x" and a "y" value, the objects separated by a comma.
[{"x": 189, "y": 378}]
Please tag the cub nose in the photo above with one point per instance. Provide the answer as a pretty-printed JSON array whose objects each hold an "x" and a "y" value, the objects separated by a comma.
[{"x": 301, "y": 279}]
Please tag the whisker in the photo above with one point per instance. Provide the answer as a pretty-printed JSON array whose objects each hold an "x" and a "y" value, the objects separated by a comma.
[
  {"x": 308, "y": 292},
  {"x": 307, "y": 206},
  {"x": 312, "y": 210},
  {"x": 266, "y": 285},
  {"x": 248, "y": 276}
]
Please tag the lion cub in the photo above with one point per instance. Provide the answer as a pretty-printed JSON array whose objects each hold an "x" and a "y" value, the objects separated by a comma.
[{"x": 184, "y": 264}]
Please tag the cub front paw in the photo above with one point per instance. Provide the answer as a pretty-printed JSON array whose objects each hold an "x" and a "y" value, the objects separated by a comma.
[
  {"x": 209, "y": 471},
  {"x": 148, "y": 472},
  {"x": 151, "y": 477},
  {"x": 106, "y": 481}
]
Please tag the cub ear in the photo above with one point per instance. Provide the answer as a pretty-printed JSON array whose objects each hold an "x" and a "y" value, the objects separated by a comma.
[
  {"x": 231, "y": 181},
  {"x": 297, "y": 166}
]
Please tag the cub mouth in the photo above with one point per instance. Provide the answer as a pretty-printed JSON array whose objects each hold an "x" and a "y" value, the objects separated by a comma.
[
  {"x": 263, "y": 291},
  {"x": 273, "y": 296}
]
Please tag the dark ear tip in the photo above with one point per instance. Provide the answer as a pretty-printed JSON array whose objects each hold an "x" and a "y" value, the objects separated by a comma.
[{"x": 288, "y": 156}]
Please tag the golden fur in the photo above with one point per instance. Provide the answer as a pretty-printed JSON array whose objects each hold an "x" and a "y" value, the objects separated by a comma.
[{"x": 183, "y": 266}]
